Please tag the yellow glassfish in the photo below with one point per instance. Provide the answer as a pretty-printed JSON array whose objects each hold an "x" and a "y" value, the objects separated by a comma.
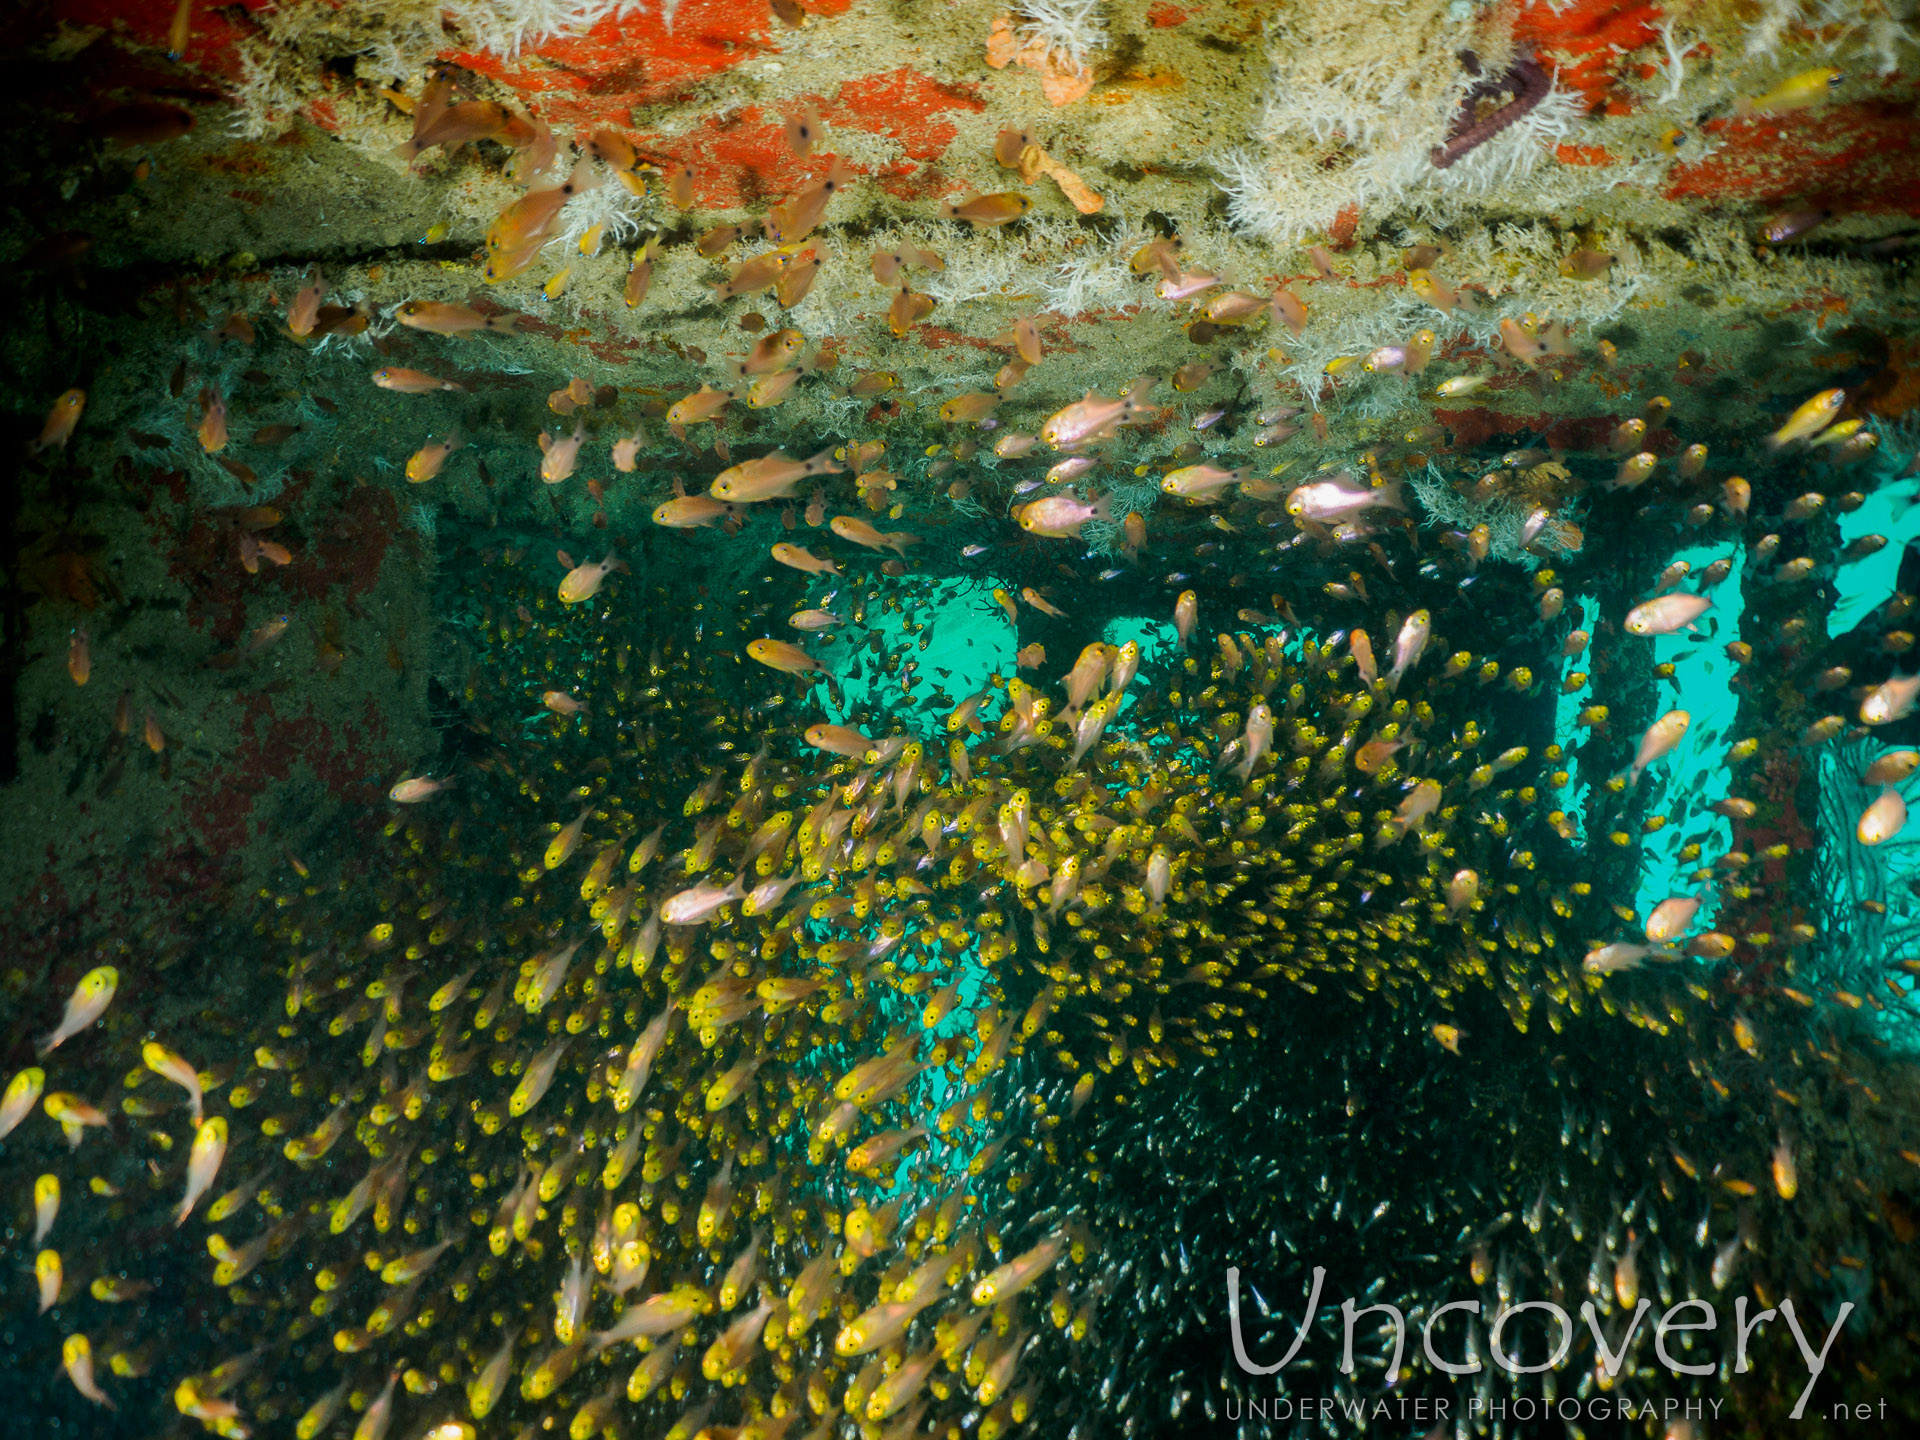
[
  {"x": 76, "y": 1355},
  {"x": 46, "y": 1205},
  {"x": 485, "y": 1389},
  {"x": 567, "y": 841},
  {"x": 49, "y": 1273},
  {"x": 1019, "y": 1273},
  {"x": 1797, "y": 92},
  {"x": 203, "y": 1163},
  {"x": 88, "y": 1002},
  {"x": 22, "y": 1094},
  {"x": 171, "y": 1066}
]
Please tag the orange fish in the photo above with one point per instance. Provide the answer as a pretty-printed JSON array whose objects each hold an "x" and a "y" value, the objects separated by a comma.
[
  {"x": 613, "y": 150},
  {"x": 797, "y": 279},
  {"x": 1288, "y": 310},
  {"x": 262, "y": 636},
  {"x": 800, "y": 558},
  {"x": 803, "y": 130},
  {"x": 887, "y": 264},
  {"x": 771, "y": 477},
  {"x": 909, "y": 308},
  {"x": 702, "y": 404},
  {"x": 640, "y": 272},
  {"x": 79, "y": 659},
  {"x": 873, "y": 382},
  {"x": 779, "y": 655},
  {"x": 750, "y": 277},
  {"x": 774, "y": 352},
  {"x": 716, "y": 241},
  {"x": 1162, "y": 254},
  {"x": 521, "y": 229},
  {"x": 770, "y": 390},
  {"x": 792, "y": 222},
  {"x": 517, "y": 233},
  {"x": 235, "y": 327},
  {"x": 213, "y": 422},
  {"x": 61, "y": 420},
  {"x": 413, "y": 791},
  {"x": 305, "y": 308},
  {"x": 848, "y": 527},
  {"x": 1525, "y": 348},
  {"x": 679, "y": 184},
  {"x": 438, "y": 318},
  {"x": 990, "y": 210},
  {"x": 426, "y": 462},
  {"x": 970, "y": 408},
  {"x": 472, "y": 120},
  {"x": 1033, "y": 598},
  {"x": 583, "y": 582},
  {"x": 689, "y": 511},
  {"x": 1432, "y": 289},
  {"x": 1011, "y": 143},
  {"x": 178, "y": 34},
  {"x": 403, "y": 381}
]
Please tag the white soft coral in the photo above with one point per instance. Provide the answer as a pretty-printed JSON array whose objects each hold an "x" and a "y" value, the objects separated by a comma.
[
  {"x": 1071, "y": 30},
  {"x": 506, "y": 27},
  {"x": 612, "y": 206}
]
